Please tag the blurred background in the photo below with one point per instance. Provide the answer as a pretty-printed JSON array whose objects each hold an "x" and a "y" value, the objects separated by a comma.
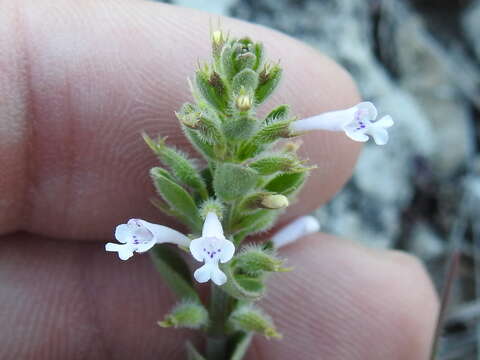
[{"x": 420, "y": 62}]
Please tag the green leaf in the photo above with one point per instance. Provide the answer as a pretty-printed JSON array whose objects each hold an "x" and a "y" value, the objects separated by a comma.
[
  {"x": 238, "y": 344},
  {"x": 227, "y": 60},
  {"x": 245, "y": 61},
  {"x": 240, "y": 128},
  {"x": 246, "y": 79},
  {"x": 286, "y": 184},
  {"x": 266, "y": 135},
  {"x": 232, "y": 181},
  {"x": 182, "y": 167},
  {"x": 192, "y": 353},
  {"x": 178, "y": 199},
  {"x": 174, "y": 270},
  {"x": 200, "y": 144},
  {"x": 258, "y": 51},
  {"x": 269, "y": 78},
  {"x": 279, "y": 113},
  {"x": 258, "y": 221},
  {"x": 242, "y": 287}
]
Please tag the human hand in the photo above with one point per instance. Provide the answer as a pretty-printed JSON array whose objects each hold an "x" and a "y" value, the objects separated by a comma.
[{"x": 79, "y": 81}]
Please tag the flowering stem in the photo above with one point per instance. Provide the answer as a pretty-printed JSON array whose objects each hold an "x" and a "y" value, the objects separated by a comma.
[{"x": 219, "y": 309}]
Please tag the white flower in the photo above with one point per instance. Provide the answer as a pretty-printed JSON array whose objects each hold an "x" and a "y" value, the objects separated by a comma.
[
  {"x": 357, "y": 122},
  {"x": 212, "y": 247},
  {"x": 139, "y": 236},
  {"x": 297, "y": 229}
]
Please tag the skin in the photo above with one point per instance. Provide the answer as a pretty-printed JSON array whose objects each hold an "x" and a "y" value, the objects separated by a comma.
[{"x": 78, "y": 81}]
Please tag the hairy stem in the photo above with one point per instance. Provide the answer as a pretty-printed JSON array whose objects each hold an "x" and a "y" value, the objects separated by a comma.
[{"x": 217, "y": 339}]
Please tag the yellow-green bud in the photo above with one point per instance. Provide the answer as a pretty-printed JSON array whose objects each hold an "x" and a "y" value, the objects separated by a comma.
[
  {"x": 217, "y": 36},
  {"x": 251, "y": 318},
  {"x": 189, "y": 315},
  {"x": 244, "y": 103},
  {"x": 275, "y": 201}
]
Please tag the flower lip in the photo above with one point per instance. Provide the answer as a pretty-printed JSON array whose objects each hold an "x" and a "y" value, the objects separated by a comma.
[
  {"x": 357, "y": 122},
  {"x": 139, "y": 236},
  {"x": 212, "y": 247}
]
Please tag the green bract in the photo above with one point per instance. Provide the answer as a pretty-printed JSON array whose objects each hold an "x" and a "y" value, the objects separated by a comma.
[{"x": 240, "y": 174}]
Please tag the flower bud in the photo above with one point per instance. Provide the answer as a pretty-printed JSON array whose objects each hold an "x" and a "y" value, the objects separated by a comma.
[
  {"x": 218, "y": 40},
  {"x": 268, "y": 78},
  {"x": 217, "y": 37},
  {"x": 275, "y": 201},
  {"x": 254, "y": 260},
  {"x": 188, "y": 315},
  {"x": 244, "y": 103},
  {"x": 250, "y": 318}
]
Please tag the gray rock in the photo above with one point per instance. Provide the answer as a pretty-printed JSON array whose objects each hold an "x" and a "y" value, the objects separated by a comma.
[
  {"x": 425, "y": 243},
  {"x": 471, "y": 26}
]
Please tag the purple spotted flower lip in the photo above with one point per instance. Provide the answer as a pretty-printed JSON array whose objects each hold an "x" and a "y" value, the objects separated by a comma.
[
  {"x": 211, "y": 248},
  {"x": 139, "y": 236},
  {"x": 357, "y": 122}
]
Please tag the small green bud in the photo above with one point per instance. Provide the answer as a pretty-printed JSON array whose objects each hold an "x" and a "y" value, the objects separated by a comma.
[
  {"x": 190, "y": 315},
  {"x": 243, "y": 103},
  {"x": 254, "y": 260},
  {"x": 250, "y": 318},
  {"x": 212, "y": 88},
  {"x": 218, "y": 40},
  {"x": 268, "y": 78},
  {"x": 275, "y": 201},
  {"x": 253, "y": 202},
  {"x": 188, "y": 115},
  {"x": 212, "y": 205},
  {"x": 272, "y": 164},
  {"x": 207, "y": 124}
]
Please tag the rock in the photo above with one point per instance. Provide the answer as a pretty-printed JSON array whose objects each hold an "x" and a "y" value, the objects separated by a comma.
[
  {"x": 471, "y": 26},
  {"x": 425, "y": 243},
  {"x": 408, "y": 72}
]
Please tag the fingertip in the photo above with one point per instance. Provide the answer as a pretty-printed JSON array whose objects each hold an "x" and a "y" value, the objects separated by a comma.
[{"x": 343, "y": 296}]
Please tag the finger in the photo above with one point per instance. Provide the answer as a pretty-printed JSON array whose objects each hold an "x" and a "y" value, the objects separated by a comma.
[
  {"x": 343, "y": 301},
  {"x": 67, "y": 300},
  {"x": 83, "y": 79}
]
